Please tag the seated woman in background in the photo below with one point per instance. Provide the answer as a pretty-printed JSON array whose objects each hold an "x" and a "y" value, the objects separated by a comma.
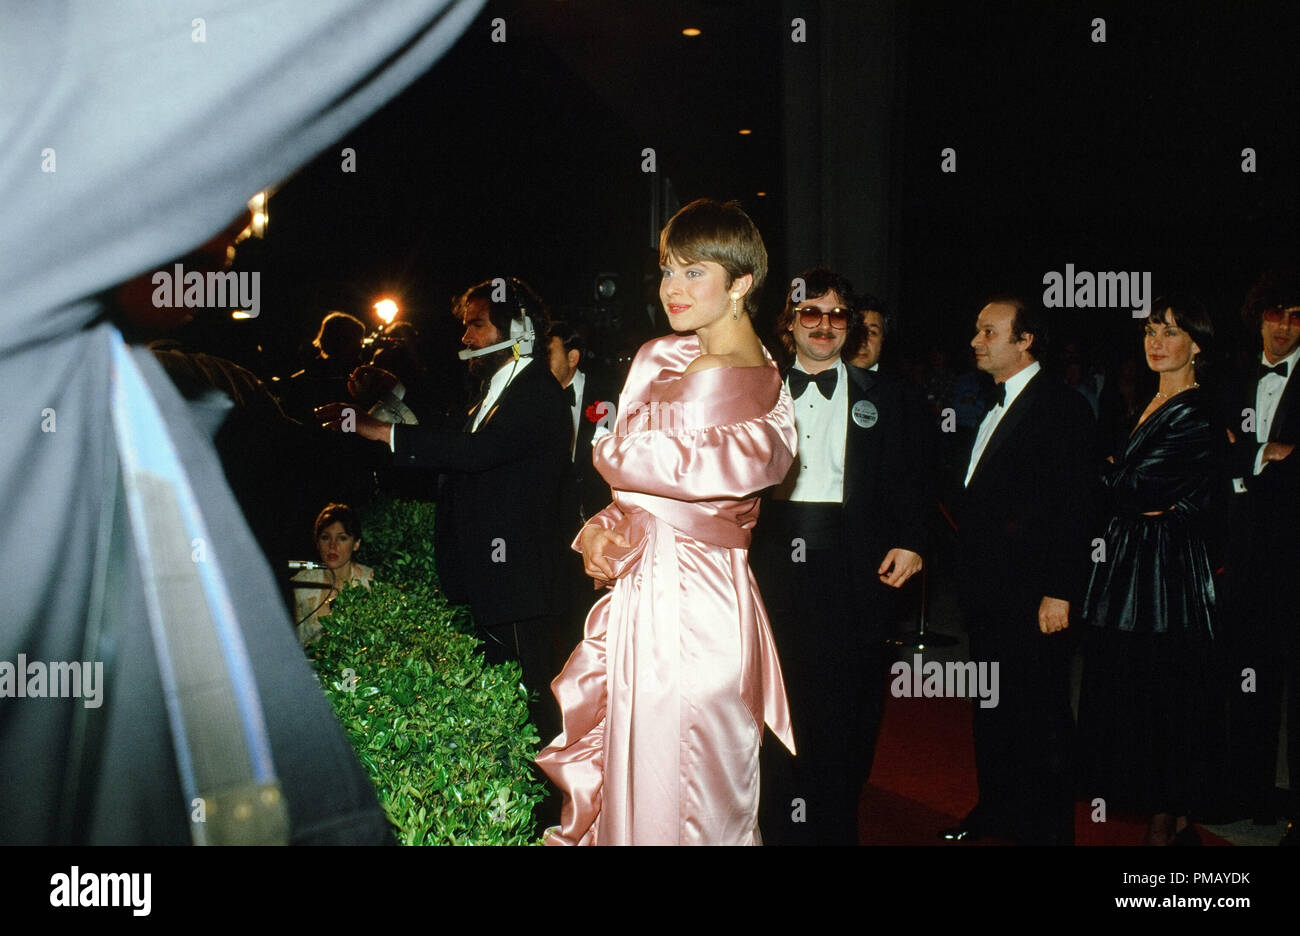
[{"x": 338, "y": 537}]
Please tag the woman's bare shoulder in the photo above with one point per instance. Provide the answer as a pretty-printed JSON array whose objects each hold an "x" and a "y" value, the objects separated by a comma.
[
  {"x": 745, "y": 358},
  {"x": 708, "y": 362}
]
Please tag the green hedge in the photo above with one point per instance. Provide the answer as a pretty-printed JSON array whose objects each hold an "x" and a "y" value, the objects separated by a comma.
[{"x": 444, "y": 736}]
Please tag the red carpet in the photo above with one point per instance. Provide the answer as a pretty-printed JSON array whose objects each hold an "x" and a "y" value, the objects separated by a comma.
[{"x": 923, "y": 779}]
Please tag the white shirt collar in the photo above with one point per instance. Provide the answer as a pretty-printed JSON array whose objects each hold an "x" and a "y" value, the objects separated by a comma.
[
  {"x": 839, "y": 366},
  {"x": 1017, "y": 382},
  {"x": 506, "y": 373}
]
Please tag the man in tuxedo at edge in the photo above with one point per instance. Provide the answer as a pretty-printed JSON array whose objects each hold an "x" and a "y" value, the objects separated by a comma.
[
  {"x": 866, "y": 353},
  {"x": 1023, "y": 520},
  {"x": 1266, "y": 552},
  {"x": 584, "y": 392},
  {"x": 875, "y": 329},
  {"x": 498, "y": 537},
  {"x": 591, "y": 411},
  {"x": 843, "y": 530}
]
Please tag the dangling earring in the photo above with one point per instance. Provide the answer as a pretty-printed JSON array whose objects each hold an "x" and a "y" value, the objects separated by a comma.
[{"x": 735, "y": 309}]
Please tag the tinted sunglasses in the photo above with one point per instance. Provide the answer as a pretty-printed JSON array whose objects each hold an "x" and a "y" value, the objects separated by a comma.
[
  {"x": 811, "y": 317},
  {"x": 1278, "y": 314}
]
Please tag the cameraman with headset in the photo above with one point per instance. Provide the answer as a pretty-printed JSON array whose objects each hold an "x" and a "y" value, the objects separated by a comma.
[{"x": 499, "y": 537}]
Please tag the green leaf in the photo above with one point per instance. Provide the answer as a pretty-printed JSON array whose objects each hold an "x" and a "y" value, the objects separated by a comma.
[{"x": 444, "y": 737}]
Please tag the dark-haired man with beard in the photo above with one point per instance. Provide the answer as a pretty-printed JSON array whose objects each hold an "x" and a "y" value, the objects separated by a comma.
[{"x": 499, "y": 536}]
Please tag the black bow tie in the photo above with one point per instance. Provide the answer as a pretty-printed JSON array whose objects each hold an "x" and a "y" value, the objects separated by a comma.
[
  {"x": 1265, "y": 370},
  {"x": 571, "y": 396},
  {"x": 995, "y": 395},
  {"x": 825, "y": 382}
]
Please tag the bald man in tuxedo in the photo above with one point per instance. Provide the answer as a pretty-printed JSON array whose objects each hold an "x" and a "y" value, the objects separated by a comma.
[{"x": 1024, "y": 516}]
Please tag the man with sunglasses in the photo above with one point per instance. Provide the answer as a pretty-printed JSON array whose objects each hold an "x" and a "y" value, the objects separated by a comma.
[
  {"x": 1265, "y": 549},
  {"x": 842, "y": 531}
]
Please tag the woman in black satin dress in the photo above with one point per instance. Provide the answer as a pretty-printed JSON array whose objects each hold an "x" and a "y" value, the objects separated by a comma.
[{"x": 1146, "y": 709}]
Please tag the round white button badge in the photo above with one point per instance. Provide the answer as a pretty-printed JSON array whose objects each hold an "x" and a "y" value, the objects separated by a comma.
[{"x": 864, "y": 414}]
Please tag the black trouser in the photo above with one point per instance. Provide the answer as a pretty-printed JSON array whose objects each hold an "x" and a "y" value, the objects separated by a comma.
[
  {"x": 529, "y": 643},
  {"x": 575, "y": 596},
  {"x": 1264, "y": 638},
  {"x": 1024, "y": 744},
  {"x": 834, "y": 666}
]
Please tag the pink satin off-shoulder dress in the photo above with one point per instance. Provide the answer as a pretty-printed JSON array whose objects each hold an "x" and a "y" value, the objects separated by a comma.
[{"x": 665, "y": 699}]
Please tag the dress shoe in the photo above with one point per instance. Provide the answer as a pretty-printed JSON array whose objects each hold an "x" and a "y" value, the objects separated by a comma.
[
  {"x": 963, "y": 833},
  {"x": 1292, "y": 834}
]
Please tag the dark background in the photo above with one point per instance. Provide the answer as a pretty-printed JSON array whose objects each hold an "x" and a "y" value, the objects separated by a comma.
[{"x": 525, "y": 158}]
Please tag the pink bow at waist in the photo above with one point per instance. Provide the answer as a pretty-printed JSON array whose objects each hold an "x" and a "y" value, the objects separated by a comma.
[{"x": 651, "y": 526}]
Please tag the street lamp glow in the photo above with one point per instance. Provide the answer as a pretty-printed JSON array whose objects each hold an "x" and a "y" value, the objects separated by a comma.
[
  {"x": 690, "y": 32},
  {"x": 386, "y": 309}
]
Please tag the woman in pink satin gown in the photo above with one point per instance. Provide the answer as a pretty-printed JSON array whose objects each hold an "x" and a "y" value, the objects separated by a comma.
[{"x": 665, "y": 699}]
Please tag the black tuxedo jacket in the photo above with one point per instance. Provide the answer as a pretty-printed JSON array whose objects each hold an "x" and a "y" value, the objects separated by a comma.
[
  {"x": 499, "y": 533},
  {"x": 1269, "y": 511},
  {"x": 589, "y": 493},
  {"x": 1025, "y": 521},
  {"x": 886, "y": 493}
]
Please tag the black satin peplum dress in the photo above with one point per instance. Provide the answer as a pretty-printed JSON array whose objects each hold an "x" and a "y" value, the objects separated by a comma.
[{"x": 1149, "y": 709}]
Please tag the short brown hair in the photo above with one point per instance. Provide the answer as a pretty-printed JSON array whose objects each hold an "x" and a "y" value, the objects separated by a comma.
[
  {"x": 708, "y": 229},
  {"x": 338, "y": 513}
]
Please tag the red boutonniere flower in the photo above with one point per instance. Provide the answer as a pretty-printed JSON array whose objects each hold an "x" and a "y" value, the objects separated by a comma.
[{"x": 596, "y": 411}]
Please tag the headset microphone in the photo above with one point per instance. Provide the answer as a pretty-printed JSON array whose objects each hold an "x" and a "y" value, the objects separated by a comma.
[{"x": 522, "y": 338}]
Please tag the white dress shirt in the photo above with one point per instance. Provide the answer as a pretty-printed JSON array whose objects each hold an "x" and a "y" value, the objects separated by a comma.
[
  {"x": 818, "y": 472},
  {"x": 1267, "y": 395},
  {"x": 1015, "y": 385},
  {"x": 497, "y": 386}
]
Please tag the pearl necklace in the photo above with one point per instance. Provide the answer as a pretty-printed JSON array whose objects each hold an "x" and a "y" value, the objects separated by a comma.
[{"x": 1162, "y": 396}]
